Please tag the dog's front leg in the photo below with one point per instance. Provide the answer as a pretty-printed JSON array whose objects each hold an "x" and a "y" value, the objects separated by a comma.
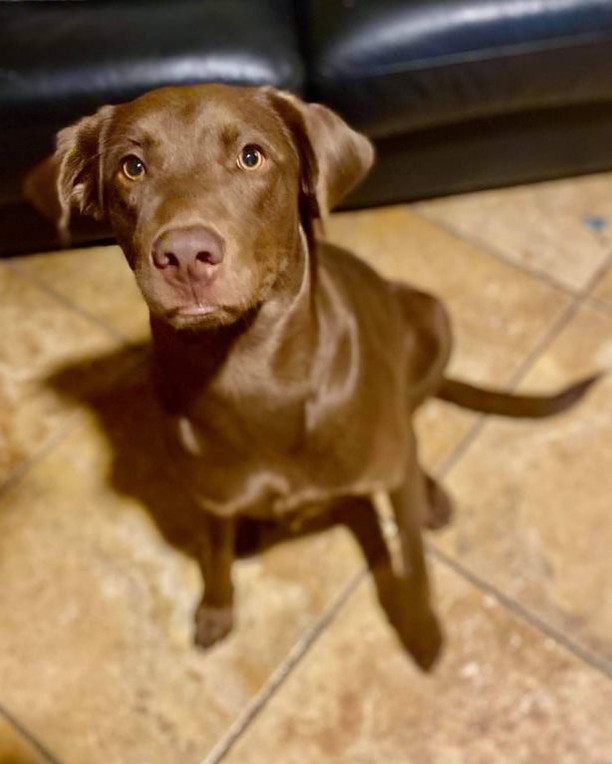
[
  {"x": 416, "y": 621},
  {"x": 215, "y": 614}
]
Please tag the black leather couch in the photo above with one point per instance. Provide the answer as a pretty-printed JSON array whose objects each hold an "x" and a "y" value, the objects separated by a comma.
[{"x": 457, "y": 94}]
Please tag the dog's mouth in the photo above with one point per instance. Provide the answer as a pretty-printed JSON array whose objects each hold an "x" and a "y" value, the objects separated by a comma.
[
  {"x": 195, "y": 316},
  {"x": 193, "y": 310}
]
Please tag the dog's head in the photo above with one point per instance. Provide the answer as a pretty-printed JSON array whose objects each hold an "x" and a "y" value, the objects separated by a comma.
[{"x": 205, "y": 188}]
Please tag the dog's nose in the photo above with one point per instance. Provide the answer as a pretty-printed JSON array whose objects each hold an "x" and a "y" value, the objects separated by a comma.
[{"x": 188, "y": 250}]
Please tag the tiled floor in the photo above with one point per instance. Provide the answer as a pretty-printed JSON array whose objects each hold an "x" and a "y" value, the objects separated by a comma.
[{"x": 97, "y": 587}]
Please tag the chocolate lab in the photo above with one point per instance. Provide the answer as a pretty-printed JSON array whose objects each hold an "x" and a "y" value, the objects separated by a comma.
[{"x": 289, "y": 371}]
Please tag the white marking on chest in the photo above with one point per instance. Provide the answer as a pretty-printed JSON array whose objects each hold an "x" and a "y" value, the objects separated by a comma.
[{"x": 188, "y": 437}]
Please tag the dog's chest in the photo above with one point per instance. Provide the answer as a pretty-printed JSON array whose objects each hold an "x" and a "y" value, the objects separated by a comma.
[{"x": 270, "y": 458}]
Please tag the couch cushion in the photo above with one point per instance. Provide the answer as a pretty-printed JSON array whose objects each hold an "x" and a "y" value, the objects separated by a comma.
[
  {"x": 392, "y": 66},
  {"x": 59, "y": 61}
]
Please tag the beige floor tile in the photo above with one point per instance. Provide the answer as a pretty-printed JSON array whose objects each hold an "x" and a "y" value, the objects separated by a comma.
[
  {"x": 96, "y": 655},
  {"x": 562, "y": 229},
  {"x": 15, "y": 748},
  {"x": 39, "y": 335},
  {"x": 533, "y": 499},
  {"x": 499, "y": 313},
  {"x": 96, "y": 279},
  {"x": 97, "y": 600},
  {"x": 502, "y": 694}
]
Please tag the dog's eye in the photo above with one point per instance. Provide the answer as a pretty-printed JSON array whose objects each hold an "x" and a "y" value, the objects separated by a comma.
[
  {"x": 133, "y": 168},
  {"x": 251, "y": 157}
]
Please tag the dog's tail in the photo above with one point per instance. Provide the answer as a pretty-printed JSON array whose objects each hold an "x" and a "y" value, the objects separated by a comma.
[{"x": 507, "y": 404}]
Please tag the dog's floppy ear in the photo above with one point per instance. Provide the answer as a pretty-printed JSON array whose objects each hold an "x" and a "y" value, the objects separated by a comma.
[
  {"x": 72, "y": 176},
  {"x": 335, "y": 158}
]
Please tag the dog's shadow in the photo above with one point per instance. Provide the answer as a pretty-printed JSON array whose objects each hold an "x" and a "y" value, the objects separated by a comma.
[{"x": 128, "y": 416}]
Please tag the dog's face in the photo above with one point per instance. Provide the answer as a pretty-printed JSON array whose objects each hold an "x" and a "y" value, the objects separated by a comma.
[
  {"x": 201, "y": 193},
  {"x": 206, "y": 188}
]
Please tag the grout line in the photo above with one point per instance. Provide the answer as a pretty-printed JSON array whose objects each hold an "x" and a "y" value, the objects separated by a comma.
[
  {"x": 73, "y": 422},
  {"x": 597, "y": 304},
  {"x": 447, "y": 464},
  {"x": 499, "y": 254},
  {"x": 279, "y": 677},
  {"x": 543, "y": 343},
  {"x": 25, "y": 733},
  {"x": 595, "y": 277},
  {"x": 67, "y": 303},
  {"x": 583, "y": 653}
]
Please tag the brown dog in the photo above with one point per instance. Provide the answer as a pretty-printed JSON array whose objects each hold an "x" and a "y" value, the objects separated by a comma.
[{"x": 289, "y": 370}]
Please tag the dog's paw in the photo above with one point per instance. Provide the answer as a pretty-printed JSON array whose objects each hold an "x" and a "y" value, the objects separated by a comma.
[
  {"x": 212, "y": 624},
  {"x": 439, "y": 506},
  {"x": 423, "y": 639}
]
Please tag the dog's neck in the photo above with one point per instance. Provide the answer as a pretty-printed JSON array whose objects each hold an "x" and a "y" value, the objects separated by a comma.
[{"x": 273, "y": 344}]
